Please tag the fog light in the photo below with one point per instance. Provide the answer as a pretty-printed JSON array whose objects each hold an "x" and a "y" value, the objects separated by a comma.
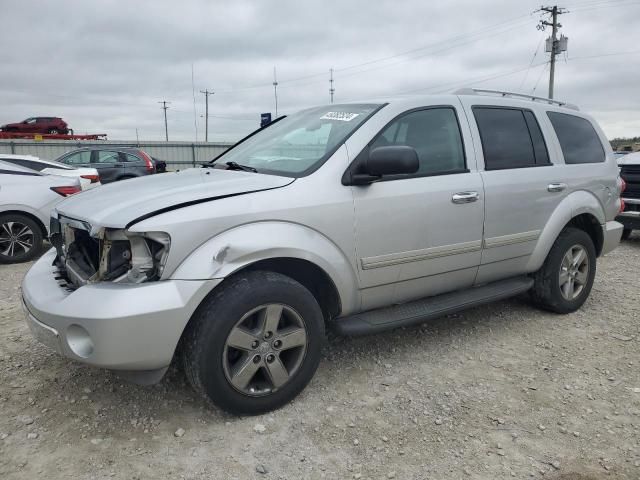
[{"x": 79, "y": 341}]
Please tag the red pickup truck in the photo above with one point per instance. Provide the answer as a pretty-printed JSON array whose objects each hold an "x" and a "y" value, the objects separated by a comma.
[{"x": 45, "y": 125}]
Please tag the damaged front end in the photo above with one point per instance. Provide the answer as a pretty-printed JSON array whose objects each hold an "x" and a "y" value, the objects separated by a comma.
[{"x": 90, "y": 255}]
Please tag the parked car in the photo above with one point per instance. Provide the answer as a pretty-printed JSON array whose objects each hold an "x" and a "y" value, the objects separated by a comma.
[
  {"x": 360, "y": 217},
  {"x": 26, "y": 200},
  {"x": 88, "y": 177},
  {"x": 630, "y": 173},
  {"x": 50, "y": 125},
  {"x": 112, "y": 163}
]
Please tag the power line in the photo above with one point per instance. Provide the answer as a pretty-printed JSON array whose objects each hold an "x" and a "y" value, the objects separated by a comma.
[
  {"x": 166, "y": 129},
  {"x": 206, "y": 114},
  {"x": 526, "y": 74}
]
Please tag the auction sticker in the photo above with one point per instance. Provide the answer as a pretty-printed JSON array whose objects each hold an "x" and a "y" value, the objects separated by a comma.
[{"x": 342, "y": 116}]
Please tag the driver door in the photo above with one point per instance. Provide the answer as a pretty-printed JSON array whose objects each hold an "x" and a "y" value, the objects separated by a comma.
[{"x": 421, "y": 234}]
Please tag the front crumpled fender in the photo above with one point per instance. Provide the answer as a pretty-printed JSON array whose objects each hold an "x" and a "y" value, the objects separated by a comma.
[{"x": 244, "y": 245}]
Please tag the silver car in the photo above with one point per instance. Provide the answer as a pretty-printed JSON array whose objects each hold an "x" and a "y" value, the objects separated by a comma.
[
  {"x": 360, "y": 217},
  {"x": 26, "y": 200}
]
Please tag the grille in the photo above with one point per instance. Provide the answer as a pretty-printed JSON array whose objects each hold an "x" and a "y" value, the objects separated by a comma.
[{"x": 631, "y": 175}]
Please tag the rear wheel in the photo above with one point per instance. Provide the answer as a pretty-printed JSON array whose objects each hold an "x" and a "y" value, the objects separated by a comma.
[
  {"x": 53, "y": 131},
  {"x": 20, "y": 238},
  {"x": 563, "y": 283},
  {"x": 254, "y": 343}
]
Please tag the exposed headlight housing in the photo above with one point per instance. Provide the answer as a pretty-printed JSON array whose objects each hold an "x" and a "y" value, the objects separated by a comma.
[
  {"x": 132, "y": 257},
  {"x": 87, "y": 255}
]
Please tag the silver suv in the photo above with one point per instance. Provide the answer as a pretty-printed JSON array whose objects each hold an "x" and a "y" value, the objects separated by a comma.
[{"x": 359, "y": 217}]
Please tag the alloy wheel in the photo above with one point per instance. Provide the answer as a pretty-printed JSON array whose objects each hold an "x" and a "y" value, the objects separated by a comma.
[
  {"x": 16, "y": 239},
  {"x": 574, "y": 272},
  {"x": 264, "y": 349}
]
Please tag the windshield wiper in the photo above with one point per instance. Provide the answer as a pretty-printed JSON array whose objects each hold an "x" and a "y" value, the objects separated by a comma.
[{"x": 237, "y": 166}]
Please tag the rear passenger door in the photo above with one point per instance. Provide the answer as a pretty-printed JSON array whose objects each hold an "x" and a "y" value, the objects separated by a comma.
[
  {"x": 109, "y": 165},
  {"x": 133, "y": 165},
  {"x": 522, "y": 186}
]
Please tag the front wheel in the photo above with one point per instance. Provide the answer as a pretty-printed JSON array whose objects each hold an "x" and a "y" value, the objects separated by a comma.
[
  {"x": 563, "y": 283},
  {"x": 254, "y": 343}
]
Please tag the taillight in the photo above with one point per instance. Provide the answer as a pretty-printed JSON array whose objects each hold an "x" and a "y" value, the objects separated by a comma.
[
  {"x": 93, "y": 178},
  {"x": 147, "y": 160},
  {"x": 66, "y": 191},
  {"x": 622, "y": 205},
  {"x": 623, "y": 185}
]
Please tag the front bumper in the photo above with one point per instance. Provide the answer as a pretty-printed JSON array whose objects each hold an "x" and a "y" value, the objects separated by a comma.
[
  {"x": 612, "y": 231},
  {"x": 115, "y": 326}
]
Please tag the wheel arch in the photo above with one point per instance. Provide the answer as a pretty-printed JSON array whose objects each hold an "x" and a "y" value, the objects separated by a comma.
[
  {"x": 295, "y": 250},
  {"x": 580, "y": 210},
  {"x": 43, "y": 228}
]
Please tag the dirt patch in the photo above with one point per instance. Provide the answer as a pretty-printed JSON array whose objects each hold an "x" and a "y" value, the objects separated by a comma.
[{"x": 502, "y": 391}]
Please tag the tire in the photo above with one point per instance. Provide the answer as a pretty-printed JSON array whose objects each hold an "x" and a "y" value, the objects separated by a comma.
[
  {"x": 548, "y": 291},
  {"x": 249, "y": 302},
  {"x": 16, "y": 233},
  {"x": 53, "y": 131},
  {"x": 626, "y": 233}
]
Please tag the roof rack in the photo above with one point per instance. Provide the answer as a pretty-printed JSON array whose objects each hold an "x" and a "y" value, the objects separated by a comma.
[{"x": 533, "y": 98}]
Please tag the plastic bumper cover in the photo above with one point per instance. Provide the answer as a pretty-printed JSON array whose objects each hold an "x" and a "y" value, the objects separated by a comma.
[{"x": 115, "y": 326}]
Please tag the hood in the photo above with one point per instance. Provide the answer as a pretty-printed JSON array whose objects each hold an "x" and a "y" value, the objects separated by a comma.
[{"x": 120, "y": 204}]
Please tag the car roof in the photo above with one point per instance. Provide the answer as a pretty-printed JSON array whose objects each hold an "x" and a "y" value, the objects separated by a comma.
[
  {"x": 105, "y": 147},
  {"x": 6, "y": 167},
  {"x": 18, "y": 157}
]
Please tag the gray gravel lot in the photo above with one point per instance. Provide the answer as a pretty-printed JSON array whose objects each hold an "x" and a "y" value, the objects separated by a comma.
[{"x": 501, "y": 391}]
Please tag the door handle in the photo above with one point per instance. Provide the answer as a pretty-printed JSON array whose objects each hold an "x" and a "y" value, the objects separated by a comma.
[
  {"x": 465, "y": 197},
  {"x": 556, "y": 187}
]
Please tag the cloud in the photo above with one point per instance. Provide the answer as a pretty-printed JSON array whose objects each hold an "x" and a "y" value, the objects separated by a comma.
[{"x": 104, "y": 65}]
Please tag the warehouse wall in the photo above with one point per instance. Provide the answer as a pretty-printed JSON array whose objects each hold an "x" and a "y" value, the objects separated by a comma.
[{"x": 176, "y": 154}]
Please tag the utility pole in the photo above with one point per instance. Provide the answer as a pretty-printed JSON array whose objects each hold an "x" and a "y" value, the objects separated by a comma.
[
  {"x": 166, "y": 130},
  {"x": 554, "y": 46},
  {"x": 206, "y": 113},
  {"x": 275, "y": 89},
  {"x": 331, "y": 89}
]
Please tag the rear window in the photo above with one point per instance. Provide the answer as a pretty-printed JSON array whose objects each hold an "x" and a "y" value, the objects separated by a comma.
[{"x": 579, "y": 141}]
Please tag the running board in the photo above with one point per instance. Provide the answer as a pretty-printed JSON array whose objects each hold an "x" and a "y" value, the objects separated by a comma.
[{"x": 418, "y": 311}]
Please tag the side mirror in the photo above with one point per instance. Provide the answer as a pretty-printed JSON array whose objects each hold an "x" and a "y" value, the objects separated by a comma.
[{"x": 392, "y": 160}]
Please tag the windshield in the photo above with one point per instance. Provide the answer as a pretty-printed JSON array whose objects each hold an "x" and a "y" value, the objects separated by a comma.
[{"x": 298, "y": 144}]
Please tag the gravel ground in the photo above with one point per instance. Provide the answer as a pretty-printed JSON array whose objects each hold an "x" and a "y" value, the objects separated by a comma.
[{"x": 500, "y": 391}]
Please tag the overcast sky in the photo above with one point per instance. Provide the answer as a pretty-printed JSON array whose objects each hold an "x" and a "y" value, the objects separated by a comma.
[{"x": 104, "y": 65}]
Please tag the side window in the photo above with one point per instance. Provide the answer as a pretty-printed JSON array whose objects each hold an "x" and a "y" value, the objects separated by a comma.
[
  {"x": 30, "y": 121},
  {"x": 435, "y": 135},
  {"x": 105, "y": 156},
  {"x": 78, "y": 158},
  {"x": 32, "y": 165},
  {"x": 578, "y": 139},
  {"x": 511, "y": 138},
  {"x": 128, "y": 157}
]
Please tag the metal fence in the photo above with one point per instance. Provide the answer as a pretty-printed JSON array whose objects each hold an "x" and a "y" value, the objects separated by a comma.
[{"x": 177, "y": 154}]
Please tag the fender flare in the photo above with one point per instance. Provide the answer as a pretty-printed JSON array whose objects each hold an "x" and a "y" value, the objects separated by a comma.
[
  {"x": 30, "y": 211},
  {"x": 241, "y": 246},
  {"x": 574, "y": 204}
]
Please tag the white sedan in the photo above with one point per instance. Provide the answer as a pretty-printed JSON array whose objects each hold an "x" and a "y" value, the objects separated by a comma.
[
  {"x": 89, "y": 177},
  {"x": 26, "y": 200}
]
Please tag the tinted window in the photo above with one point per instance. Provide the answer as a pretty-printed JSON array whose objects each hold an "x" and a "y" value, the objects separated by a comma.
[
  {"x": 539, "y": 146},
  {"x": 24, "y": 163},
  {"x": 131, "y": 158},
  {"x": 506, "y": 140},
  {"x": 435, "y": 135},
  {"x": 578, "y": 139},
  {"x": 77, "y": 158},
  {"x": 104, "y": 156}
]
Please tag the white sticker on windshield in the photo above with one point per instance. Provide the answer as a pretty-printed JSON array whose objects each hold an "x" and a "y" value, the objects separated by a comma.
[{"x": 342, "y": 116}]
